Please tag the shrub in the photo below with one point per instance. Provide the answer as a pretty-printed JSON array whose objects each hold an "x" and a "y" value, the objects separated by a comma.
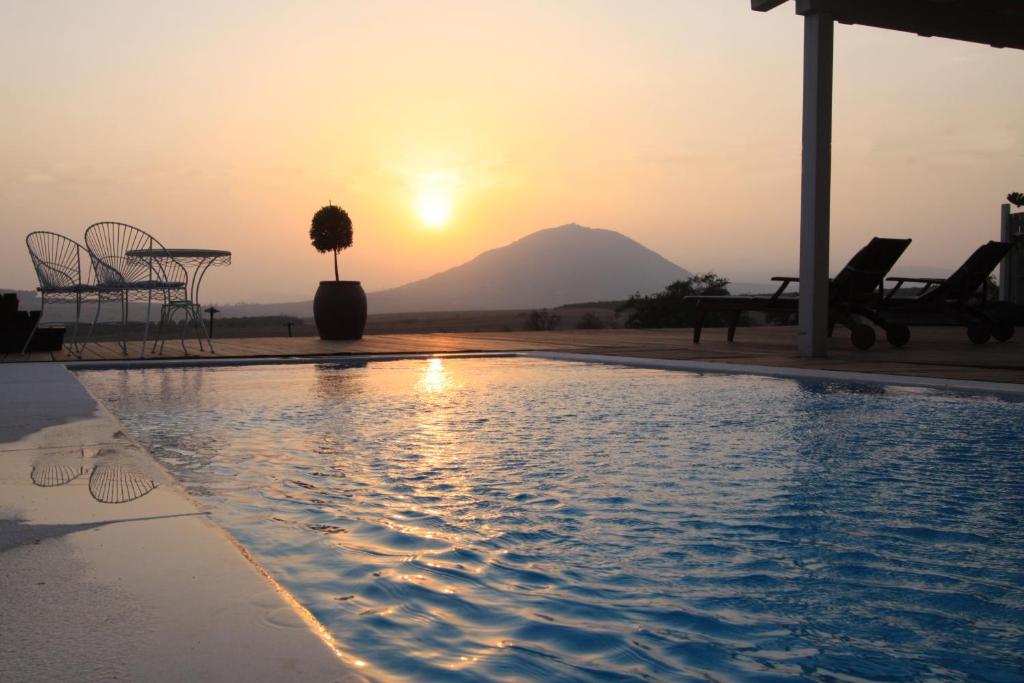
[
  {"x": 542, "y": 319},
  {"x": 670, "y": 308},
  {"x": 589, "y": 321},
  {"x": 331, "y": 230}
]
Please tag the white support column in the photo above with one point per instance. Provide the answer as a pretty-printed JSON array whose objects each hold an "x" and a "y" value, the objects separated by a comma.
[
  {"x": 816, "y": 183},
  {"x": 1005, "y": 268}
]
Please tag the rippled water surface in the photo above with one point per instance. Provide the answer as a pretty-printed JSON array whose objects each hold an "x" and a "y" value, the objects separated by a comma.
[{"x": 512, "y": 518}]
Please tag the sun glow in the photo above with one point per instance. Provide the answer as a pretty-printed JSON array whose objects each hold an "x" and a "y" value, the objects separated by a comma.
[
  {"x": 434, "y": 207},
  {"x": 433, "y": 194}
]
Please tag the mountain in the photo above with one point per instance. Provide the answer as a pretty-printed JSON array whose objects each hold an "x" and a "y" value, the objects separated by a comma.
[{"x": 546, "y": 268}]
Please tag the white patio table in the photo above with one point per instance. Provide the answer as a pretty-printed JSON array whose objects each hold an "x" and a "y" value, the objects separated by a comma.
[{"x": 196, "y": 262}]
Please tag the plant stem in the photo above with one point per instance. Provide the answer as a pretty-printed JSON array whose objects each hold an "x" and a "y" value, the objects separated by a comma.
[{"x": 336, "y": 265}]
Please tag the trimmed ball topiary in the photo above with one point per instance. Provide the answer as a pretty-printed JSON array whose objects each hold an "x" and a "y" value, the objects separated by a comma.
[{"x": 331, "y": 230}]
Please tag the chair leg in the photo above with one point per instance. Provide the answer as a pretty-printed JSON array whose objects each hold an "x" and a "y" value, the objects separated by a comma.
[
  {"x": 184, "y": 328},
  {"x": 190, "y": 322},
  {"x": 201, "y": 328},
  {"x": 32, "y": 333},
  {"x": 734, "y": 319},
  {"x": 187, "y": 324},
  {"x": 163, "y": 338},
  {"x": 73, "y": 344},
  {"x": 95, "y": 320},
  {"x": 157, "y": 338},
  {"x": 145, "y": 329},
  {"x": 698, "y": 322},
  {"x": 124, "y": 324}
]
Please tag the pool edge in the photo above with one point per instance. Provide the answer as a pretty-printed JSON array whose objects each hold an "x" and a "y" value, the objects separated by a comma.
[
  {"x": 780, "y": 372},
  {"x": 785, "y": 372}
]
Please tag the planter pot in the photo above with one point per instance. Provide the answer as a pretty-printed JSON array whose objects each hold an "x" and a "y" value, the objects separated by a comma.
[{"x": 339, "y": 309}]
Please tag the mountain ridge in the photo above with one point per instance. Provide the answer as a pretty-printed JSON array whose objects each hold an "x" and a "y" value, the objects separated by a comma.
[{"x": 544, "y": 269}]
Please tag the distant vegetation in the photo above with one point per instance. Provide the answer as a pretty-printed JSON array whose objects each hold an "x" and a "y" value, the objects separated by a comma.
[
  {"x": 670, "y": 307},
  {"x": 543, "y": 319},
  {"x": 1016, "y": 198},
  {"x": 589, "y": 321},
  {"x": 223, "y": 328},
  {"x": 609, "y": 305}
]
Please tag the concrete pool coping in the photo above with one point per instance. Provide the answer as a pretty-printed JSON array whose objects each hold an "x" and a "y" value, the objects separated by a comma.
[
  {"x": 131, "y": 581},
  {"x": 778, "y": 372},
  {"x": 153, "y": 589}
]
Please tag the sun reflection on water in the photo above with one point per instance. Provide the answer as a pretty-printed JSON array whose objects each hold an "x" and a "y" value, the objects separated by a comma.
[{"x": 435, "y": 378}]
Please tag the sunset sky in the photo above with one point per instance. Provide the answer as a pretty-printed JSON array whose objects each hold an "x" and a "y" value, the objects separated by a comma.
[{"x": 448, "y": 128}]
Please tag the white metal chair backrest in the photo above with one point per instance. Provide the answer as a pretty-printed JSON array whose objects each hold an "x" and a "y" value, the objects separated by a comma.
[
  {"x": 57, "y": 259},
  {"x": 109, "y": 243}
]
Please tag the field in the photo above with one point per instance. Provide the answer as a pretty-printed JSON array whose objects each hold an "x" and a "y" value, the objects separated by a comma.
[{"x": 569, "y": 317}]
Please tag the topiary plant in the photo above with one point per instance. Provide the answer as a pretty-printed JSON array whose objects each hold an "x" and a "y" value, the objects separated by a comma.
[
  {"x": 1016, "y": 198},
  {"x": 331, "y": 231}
]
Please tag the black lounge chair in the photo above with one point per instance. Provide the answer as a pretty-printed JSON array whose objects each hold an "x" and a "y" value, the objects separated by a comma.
[
  {"x": 856, "y": 292},
  {"x": 953, "y": 297}
]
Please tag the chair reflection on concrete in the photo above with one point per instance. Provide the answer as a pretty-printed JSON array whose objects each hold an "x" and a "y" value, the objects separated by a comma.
[{"x": 111, "y": 480}]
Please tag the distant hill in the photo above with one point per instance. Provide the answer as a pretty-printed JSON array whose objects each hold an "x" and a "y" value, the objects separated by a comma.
[{"x": 546, "y": 268}]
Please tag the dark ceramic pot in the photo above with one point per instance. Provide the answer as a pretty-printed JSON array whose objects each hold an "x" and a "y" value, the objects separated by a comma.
[{"x": 339, "y": 309}]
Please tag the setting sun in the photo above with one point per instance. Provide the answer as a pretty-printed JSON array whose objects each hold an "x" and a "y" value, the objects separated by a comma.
[{"x": 434, "y": 207}]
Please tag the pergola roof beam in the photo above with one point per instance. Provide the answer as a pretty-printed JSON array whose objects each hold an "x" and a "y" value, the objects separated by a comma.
[
  {"x": 999, "y": 23},
  {"x": 765, "y": 5}
]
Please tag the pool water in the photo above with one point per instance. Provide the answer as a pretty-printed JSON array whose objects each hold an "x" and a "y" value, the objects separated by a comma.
[{"x": 499, "y": 519}]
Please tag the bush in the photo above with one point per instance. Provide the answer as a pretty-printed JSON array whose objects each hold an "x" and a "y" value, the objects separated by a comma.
[
  {"x": 590, "y": 321},
  {"x": 543, "y": 319},
  {"x": 670, "y": 308}
]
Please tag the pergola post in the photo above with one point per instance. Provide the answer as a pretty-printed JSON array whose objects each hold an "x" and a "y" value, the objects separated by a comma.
[
  {"x": 1000, "y": 24},
  {"x": 816, "y": 183},
  {"x": 1006, "y": 274}
]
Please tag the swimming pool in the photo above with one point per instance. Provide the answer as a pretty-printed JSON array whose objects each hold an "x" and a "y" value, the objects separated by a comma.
[{"x": 518, "y": 518}]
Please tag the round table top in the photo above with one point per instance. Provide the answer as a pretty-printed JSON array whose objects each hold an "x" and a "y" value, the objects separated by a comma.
[{"x": 178, "y": 253}]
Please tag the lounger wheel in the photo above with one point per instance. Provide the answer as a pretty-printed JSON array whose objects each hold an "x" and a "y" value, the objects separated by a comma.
[
  {"x": 1002, "y": 331},
  {"x": 862, "y": 336},
  {"x": 897, "y": 335},
  {"x": 979, "y": 332}
]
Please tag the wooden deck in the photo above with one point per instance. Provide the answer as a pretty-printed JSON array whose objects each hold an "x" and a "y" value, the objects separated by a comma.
[{"x": 933, "y": 352}]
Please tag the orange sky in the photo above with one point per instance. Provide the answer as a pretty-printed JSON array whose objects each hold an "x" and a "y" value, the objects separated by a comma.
[{"x": 227, "y": 124}]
